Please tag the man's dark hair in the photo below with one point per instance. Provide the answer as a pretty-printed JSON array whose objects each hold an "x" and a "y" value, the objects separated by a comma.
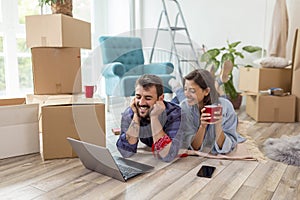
[{"x": 149, "y": 80}]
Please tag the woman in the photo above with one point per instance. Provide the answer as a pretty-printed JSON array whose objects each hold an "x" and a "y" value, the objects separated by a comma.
[{"x": 219, "y": 137}]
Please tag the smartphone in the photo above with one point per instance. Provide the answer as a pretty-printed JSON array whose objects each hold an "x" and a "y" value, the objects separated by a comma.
[{"x": 206, "y": 171}]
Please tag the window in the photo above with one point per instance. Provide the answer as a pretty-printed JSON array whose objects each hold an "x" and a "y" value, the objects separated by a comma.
[
  {"x": 24, "y": 67},
  {"x": 16, "y": 77},
  {"x": 2, "y": 75}
]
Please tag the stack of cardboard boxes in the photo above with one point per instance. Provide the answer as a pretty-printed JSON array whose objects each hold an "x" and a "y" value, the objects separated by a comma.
[
  {"x": 264, "y": 107},
  {"x": 268, "y": 108},
  {"x": 55, "y": 41}
]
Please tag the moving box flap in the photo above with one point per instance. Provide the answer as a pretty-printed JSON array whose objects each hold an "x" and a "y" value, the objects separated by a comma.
[
  {"x": 15, "y": 101},
  {"x": 296, "y": 72},
  {"x": 18, "y": 114},
  {"x": 296, "y": 51},
  {"x": 245, "y": 93}
]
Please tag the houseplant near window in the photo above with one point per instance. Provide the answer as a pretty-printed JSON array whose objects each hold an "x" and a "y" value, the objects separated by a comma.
[
  {"x": 217, "y": 56},
  {"x": 59, "y": 6}
]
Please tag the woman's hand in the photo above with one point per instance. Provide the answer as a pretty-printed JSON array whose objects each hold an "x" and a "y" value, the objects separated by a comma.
[{"x": 206, "y": 117}]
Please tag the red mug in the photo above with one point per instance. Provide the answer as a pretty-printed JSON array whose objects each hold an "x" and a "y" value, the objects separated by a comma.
[
  {"x": 90, "y": 90},
  {"x": 215, "y": 112}
]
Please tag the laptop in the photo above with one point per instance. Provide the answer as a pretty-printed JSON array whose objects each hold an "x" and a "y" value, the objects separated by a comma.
[{"x": 99, "y": 159}]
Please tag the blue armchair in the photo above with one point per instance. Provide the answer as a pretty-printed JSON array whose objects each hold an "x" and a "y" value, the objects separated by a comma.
[{"x": 123, "y": 61}]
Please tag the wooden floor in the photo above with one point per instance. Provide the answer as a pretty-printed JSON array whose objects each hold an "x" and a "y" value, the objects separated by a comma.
[{"x": 28, "y": 177}]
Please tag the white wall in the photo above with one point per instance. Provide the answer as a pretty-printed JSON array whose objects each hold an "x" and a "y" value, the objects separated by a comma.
[
  {"x": 215, "y": 21},
  {"x": 212, "y": 22}
]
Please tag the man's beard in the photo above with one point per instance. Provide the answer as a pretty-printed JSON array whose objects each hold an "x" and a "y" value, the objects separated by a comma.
[{"x": 147, "y": 116}]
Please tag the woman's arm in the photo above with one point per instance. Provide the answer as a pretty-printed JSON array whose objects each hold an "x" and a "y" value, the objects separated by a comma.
[
  {"x": 199, "y": 136},
  {"x": 229, "y": 126}
]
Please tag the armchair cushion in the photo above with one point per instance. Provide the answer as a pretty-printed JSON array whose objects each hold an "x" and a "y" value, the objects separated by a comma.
[
  {"x": 126, "y": 50},
  {"x": 158, "y": 68},
  {"x": 113, "y": 69}
]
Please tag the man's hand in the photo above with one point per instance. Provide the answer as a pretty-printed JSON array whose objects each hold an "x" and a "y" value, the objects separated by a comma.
[
  {"x": 157, "y": 109},
  {"x": 132, "y": 133},
  {"x": 133, "y": 106}
]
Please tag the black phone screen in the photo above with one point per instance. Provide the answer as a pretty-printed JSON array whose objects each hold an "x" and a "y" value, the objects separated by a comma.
[{"x": 206, "y": 171}]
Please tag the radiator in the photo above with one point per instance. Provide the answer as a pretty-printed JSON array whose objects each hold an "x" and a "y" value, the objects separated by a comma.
[{"x": 161, "y": 55}]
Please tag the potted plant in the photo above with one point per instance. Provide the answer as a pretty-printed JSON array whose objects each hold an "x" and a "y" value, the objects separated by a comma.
[
  {"x": 217, "y": 56},
  {"x": 59, "y": 6}
]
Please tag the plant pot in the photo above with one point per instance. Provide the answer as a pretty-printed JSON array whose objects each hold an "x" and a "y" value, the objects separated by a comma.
[
  {"x": 237, "y": 102},
  {"x": 62, "y": 8}
]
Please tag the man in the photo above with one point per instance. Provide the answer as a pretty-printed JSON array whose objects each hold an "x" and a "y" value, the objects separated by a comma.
[{"x": 151, "y": 120}]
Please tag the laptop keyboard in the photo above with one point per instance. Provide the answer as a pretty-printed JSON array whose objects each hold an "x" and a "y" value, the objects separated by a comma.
[{"x": 128, "y": 171}]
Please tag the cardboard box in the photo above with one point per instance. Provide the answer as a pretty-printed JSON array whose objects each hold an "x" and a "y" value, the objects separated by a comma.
[
  {"x": 56, "y": 70},
  {"x": 267, "y": 108},
  {"x": 44, "y": 100},
  {"x": 255, "y": 79},
  {"x": 296, "y": 73},
  {"x": 18, "y": 128},
  {"x": 57, "y": 30},
  {"x": 85, "y": 122}
]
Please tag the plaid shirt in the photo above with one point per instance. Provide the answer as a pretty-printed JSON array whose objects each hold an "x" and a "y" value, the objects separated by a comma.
[{"x": 170, "y": 120}]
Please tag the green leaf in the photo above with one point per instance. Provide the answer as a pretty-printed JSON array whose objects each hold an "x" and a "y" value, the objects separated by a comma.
[
  {"x": 210, "y": 54},
  {"x": 232, "y": 50},
  {"x": 205, "y": 57},
  {"x": 215, "y": 63},
  {"x": 234, "y": 44},
  {"x": 213, "y": 52},
  {"x": 227, "y": 56},
  {"x": 239, "y": 54},
  {"x": 251, "y": 49},
  {"x": 49, "y": 2}
]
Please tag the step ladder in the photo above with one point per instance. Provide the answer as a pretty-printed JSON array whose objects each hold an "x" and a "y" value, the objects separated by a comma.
[{"x": 172, "y": 32}]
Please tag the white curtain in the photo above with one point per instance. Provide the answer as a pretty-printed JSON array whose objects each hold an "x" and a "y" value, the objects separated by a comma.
[
  {"x": 279, "y": 30},
  {"x": 293, "y": 7}
]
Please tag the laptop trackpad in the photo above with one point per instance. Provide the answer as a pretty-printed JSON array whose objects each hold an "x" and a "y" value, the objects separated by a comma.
[{"x": 140, "y": 166}]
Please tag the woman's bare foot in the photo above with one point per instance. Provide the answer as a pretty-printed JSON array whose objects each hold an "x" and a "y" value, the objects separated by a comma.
[
  {"x": 175, "y": 85},
  {"x": 225, "y": 71}
]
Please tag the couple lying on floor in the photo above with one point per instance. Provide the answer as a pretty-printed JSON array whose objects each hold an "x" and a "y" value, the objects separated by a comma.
[{"x": 181, "y": 123}]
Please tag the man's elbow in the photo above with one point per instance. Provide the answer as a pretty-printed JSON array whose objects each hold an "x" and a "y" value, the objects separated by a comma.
[
  {"x": 125, "y": 153},
  {"x": 171, "y": 153}
]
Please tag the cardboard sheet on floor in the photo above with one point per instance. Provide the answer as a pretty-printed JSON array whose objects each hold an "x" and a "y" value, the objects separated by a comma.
[{"x": 240, "y": 153}]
